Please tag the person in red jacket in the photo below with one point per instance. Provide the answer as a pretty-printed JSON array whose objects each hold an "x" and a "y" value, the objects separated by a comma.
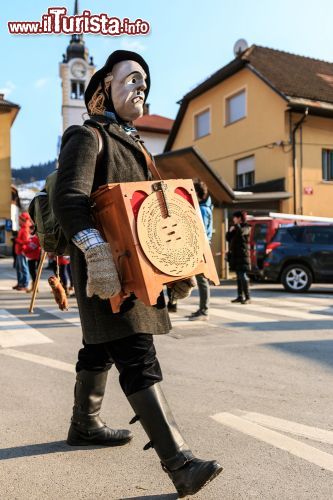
[
  {"x": 21, "y": 261},
  {"x": 32, "y": 251}
]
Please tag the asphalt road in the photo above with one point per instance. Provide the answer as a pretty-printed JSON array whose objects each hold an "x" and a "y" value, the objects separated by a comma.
[{"x": 252, "y": 388}]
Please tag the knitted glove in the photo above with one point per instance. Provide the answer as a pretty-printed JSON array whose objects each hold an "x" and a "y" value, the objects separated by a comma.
[
  {"x": 102, "y": 273},
  {"x": 182, "y": 289}
]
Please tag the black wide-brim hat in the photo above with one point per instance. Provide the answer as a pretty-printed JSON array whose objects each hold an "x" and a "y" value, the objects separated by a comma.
[{"x": 114, "y": 58}]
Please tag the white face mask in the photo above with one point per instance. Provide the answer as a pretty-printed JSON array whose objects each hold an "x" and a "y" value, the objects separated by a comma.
[{"x": 128, "y": 89}]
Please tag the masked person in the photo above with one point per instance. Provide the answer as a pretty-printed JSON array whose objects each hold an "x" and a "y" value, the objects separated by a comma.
[
  {"x": 114, "y": 98},
  {"x": 239, "y": 256}
]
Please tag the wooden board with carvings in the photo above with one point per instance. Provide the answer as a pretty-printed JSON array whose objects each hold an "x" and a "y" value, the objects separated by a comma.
[{"x": 156, "y": 235}]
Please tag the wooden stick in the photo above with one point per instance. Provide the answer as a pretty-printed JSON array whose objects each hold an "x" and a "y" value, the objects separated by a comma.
[{"x": 39, "y": 272}]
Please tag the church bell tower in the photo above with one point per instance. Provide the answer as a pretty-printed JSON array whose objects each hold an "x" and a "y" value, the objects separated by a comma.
[{"x": 75, "y": 71}]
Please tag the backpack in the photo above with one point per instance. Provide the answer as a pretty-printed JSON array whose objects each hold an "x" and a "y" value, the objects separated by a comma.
[{"x": 51, "y": 237}]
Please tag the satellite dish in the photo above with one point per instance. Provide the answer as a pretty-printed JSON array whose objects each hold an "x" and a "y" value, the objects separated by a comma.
[{"x": 240, "y": 46}]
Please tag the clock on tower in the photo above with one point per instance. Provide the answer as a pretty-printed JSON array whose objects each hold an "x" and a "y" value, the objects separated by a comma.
[{"x": 76, "y": 69}]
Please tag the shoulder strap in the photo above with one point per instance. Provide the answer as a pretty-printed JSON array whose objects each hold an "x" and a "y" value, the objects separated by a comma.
[
  {"x": 150, "y": 162},
  {"x": 100, "y": 142}
]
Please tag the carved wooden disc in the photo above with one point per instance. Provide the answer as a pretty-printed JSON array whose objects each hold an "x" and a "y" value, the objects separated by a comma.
[{"x": 173, "y": 244}]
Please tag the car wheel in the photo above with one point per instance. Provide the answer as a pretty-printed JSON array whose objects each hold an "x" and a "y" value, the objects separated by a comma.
[{"x": 296, "y": 278}]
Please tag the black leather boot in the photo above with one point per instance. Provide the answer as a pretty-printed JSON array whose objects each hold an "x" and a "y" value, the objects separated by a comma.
[
  {"x": 239, "y": 299},
  {"x": 188, "y": 474},
  {"x": 87, "y": 428}
]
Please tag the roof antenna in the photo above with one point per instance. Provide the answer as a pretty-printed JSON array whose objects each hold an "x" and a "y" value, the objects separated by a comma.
[{"x": 240, "y": 46}]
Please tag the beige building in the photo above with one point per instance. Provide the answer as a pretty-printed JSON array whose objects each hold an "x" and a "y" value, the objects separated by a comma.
[
  {"x": 260, "y": 132},
  {"x": 8, "y": 113}
]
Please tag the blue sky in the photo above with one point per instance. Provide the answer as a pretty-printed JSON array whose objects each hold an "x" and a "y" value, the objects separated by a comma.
[{"x": 189, "y": 40}]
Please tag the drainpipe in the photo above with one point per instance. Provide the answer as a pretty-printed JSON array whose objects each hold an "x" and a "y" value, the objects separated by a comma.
[
  {"x": 296, "y": 127},
  {"x": 301, "y": 169},
  {"x": 226, "y": 244}
]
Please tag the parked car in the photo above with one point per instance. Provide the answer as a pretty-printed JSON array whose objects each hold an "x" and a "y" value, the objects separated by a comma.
[
  {"x": 262, "y": 231},
  {"x": 298, "y": 256}
]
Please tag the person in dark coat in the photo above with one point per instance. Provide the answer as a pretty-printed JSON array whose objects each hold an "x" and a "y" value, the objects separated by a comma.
[
  {"x": 239, "y": 256},
  {"x": 106, "y": 149}
]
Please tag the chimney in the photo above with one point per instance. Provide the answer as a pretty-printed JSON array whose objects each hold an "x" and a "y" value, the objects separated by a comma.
[
  {"x": 146, "y": 109},
  {"x": 2, "y": 96}
]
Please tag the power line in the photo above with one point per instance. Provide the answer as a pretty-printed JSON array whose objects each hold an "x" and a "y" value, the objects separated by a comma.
[{"x": 270, "y": 145}]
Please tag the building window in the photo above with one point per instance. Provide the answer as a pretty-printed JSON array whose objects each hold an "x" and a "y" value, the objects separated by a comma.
[
  {"x": 202, "y": 124},
  {"x": 77, "y": 90},
  {"x": 245, "y": 172},
  {"x": 327, "y": 161},
  {"x": 235, "y": 107}
]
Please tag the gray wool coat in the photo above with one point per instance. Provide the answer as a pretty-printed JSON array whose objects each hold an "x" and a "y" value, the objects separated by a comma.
[{"x": 121, "y": 161}]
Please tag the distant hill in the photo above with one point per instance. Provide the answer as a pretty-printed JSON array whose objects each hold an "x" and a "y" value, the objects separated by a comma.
[{"x": 33, "y": 173}]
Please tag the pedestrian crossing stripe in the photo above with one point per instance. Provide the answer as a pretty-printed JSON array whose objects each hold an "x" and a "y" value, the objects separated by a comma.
[
  {"x": 247, "y": 424},
  {"x": 255, "y": 313},
  {"x": 15, "y": 332}
]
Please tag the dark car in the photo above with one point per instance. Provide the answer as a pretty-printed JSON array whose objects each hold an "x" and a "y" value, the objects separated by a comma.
[
  {"x": 262, "y": 232},
  {"x": 298, "y": 256}
]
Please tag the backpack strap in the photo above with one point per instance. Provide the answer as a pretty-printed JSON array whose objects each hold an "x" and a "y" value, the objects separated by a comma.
[
  {"x": 150, "y": 162},
  {"x": 100, "y": 143}
]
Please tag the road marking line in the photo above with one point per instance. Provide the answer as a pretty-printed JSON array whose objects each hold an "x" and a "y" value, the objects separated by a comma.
[
  {"x": 74, "y": 318},
  {"x": 237, "y": 315},
  {"x": 315, "y": 305},
  {"x": 301, "y": 450},
  {"x": 180, "y": 321},
  {"x": 14, "y": 332},
  {"x": 41, "y": 360},
  {"x": 295, "y": 428},
  {"x": 290, "y": 313},
  {"x": 68, "y": 316}
]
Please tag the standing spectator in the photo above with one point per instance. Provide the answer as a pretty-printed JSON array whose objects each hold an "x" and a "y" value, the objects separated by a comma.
[
  {"x": 65, "y": 273},
  {"x": 32, "y": 251},
  {"x": 206, "y": 209},
  {"x": 13, "y": 238},
  {"x": 238, "y": 256},
  {"x": 21, "y": 261}
]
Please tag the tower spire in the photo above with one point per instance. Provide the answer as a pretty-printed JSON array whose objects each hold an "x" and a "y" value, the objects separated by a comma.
[{"x": 76, "y": 38}]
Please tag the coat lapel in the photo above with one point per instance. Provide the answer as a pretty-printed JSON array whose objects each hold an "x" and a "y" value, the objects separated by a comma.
[{"x": 116, "y": 131}]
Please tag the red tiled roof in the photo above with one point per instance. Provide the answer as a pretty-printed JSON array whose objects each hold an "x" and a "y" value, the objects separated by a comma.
[
  {"x": 301, "y": 81},
  {"x": 293, "y": 75},
  {"x": 154, "y": 123}
]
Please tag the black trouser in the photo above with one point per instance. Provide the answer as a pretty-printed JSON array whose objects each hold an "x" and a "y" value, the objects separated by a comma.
[
  {"x": 134, "y": 357},
  {"x": 243, "y": 284}
]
